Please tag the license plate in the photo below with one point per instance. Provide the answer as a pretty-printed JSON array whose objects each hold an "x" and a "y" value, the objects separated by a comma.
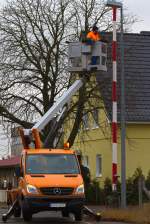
[{"x": 57, "y": 205}]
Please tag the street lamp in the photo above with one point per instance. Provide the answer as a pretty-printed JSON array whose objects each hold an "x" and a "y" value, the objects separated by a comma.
[
  {"x": 111, "y": 3},
  {"x": 114, "y": 5}
]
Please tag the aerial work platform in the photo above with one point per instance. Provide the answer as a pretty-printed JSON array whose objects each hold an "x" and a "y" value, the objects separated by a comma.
[{"x": 85, "y": 57}]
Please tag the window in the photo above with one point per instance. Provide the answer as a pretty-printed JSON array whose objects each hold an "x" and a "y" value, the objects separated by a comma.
[
  {"x": 98, "y": 165},
  {"x": 85, "y": 121},
  {"x": 103, "y": 60},
  {"x": 85, "y": 161},
  {"x": 95, "y": 116},
  {"x": 104, "y": 48}
]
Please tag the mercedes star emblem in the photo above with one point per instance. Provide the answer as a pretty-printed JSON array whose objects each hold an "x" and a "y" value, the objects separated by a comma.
[{"x": 57, "y": 191}]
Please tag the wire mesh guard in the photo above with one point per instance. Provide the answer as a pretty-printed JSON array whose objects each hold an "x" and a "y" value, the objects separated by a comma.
[{"x": 84, "y": 57}]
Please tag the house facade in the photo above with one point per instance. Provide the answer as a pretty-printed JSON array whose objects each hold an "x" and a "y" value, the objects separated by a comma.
[
  {"x": 97, "y": 149},
  {"x": 95, "y": 140},
  {"x": 7, "y": 171}
]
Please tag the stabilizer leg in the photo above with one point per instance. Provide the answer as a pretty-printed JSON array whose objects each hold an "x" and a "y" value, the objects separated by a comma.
[
  {"x": 10, "y": 211},
  {"x": 89, "y": 212}
]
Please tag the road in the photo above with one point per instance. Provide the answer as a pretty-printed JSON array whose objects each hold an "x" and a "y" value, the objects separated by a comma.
[{"x": 50, "y": 218}]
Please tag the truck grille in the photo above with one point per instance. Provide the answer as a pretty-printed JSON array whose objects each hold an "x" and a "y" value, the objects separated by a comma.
[{"x": 56, "y": 190}]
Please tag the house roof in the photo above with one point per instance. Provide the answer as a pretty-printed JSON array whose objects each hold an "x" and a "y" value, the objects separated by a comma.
[
  {"x": 10, "y": 162},
  {"x": 137, "y": 77}
]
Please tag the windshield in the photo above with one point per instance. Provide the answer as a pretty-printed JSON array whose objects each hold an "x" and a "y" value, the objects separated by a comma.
[{"x": 52, "y": 164}]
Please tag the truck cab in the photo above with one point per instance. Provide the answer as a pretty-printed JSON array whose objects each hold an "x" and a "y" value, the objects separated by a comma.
[{"x": 50, "y": 180}]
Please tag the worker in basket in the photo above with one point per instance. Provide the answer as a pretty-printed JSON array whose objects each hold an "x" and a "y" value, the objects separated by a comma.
[{"x": 92, "y": 37}]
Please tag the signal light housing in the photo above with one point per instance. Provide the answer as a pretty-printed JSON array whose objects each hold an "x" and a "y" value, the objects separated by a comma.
[{"x": 66, "y": 145}]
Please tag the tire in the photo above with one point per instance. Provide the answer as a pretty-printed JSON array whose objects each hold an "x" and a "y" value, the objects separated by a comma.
[
  {"x": 17, "y": 211},
  {"x": 26, "y": 213},
  {"x": 4, "y": 217},
  {"x": 78, "y": 215},
  {"x": 65, "y": 213}
]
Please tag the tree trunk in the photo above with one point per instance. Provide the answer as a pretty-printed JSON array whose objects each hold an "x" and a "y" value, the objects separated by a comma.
[{"x": 79, "y": 114}]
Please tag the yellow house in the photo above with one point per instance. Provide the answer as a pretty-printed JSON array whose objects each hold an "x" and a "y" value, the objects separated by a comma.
[
  {"x": 94, "y": 139},
  {"x": 96, "y": 148}
]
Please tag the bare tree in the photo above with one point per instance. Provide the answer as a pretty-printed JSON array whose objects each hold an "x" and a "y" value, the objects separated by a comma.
[
  {"x": 33, "y": 56},
  {"x": 90, "y": 12}
]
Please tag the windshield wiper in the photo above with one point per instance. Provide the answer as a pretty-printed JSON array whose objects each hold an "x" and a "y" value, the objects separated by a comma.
[
  {"x": 70, "y": 175},
  {"x": 37, "y": 175}
]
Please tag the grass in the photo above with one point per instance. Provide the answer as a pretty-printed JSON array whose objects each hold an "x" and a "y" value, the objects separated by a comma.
[{"x": 131, "y": 214}]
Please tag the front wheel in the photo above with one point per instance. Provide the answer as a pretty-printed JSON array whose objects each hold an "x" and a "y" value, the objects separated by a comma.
[
  {"x": 17, "y": 211},
  {"x": 65, "y": 213},
  {"x": 26, "y": 213}
]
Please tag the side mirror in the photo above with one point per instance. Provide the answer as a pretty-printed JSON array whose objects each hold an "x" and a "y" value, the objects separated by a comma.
[{"x": 18, "y": 172}]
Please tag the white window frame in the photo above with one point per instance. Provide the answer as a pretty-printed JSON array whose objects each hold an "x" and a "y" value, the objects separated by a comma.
[
  {"x": 85, "y": 121},
  {"x": 95, "y": 116},
  {"x": 98, "y": 165},
  {"x": 85, "y": 161}
]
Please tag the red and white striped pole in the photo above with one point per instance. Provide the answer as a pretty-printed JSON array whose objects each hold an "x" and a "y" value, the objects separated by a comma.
[{"x": 114, "y": 103}]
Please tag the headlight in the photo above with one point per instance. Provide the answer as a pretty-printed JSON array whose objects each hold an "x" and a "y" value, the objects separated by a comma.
[
  {"x": 32, "y": 189},
  {"x": 80, "y": 189}
]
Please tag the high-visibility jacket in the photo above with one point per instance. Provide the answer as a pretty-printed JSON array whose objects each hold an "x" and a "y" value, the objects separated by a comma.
[{"x": 93, "y": 36}]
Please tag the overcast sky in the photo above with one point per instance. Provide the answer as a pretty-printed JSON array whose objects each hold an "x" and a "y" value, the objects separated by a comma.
[{"x": 140, "y": 8}]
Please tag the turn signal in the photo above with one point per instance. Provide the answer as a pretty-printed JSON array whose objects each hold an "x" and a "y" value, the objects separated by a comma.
[{"x": 66, "y": 145}]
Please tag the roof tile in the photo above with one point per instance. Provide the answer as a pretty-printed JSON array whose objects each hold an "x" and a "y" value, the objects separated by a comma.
[{"x": 137, "y": 77}]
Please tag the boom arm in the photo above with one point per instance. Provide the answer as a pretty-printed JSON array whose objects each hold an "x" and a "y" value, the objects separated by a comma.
[
  {"x": 28, "y": 134},
  {"x": 64, "y": 99},
  {"x": 78, "y": 63}
]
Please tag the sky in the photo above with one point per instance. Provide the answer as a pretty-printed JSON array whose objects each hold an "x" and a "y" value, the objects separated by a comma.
[{"x": 140, "y": 8}]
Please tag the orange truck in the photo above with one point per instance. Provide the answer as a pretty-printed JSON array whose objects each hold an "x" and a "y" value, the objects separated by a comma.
[{"x": 49, "y": 179}]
